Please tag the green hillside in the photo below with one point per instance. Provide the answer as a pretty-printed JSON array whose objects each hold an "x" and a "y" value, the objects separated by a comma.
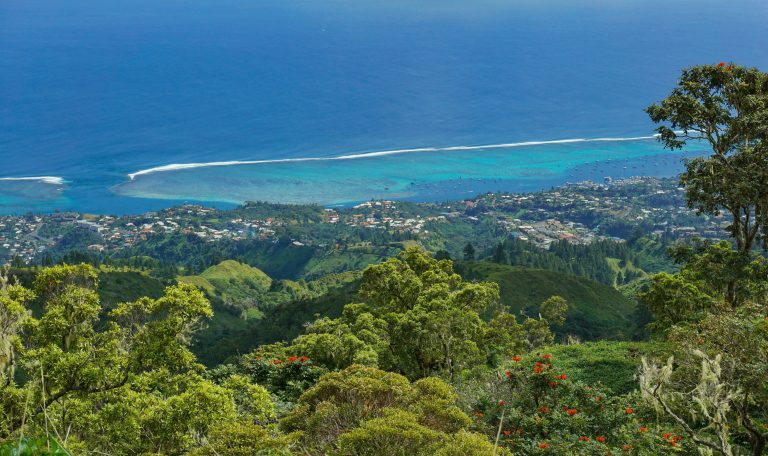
[
  {"x": 123, "y": 286},
  {"x": 236, "y": 286},
  {"x": 250, "y": 307},
  {"x": 595, "y": 310},
  {"x": 613, "y": 364}
]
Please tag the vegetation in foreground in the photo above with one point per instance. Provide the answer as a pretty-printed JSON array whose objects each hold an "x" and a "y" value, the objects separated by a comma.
[{"x": 423, "y": 361}]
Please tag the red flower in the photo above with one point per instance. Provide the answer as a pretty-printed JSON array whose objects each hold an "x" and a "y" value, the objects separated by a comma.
[
  {"x": 543, "y": 445},
  {"x": 627, "y": 447},
  {"x": 544, "y": 409},
  {"x": 677, "y": 438},
  {"x": 276, "y": 361},
  {"x": 506, "y": 433},
  {"x": 537, "y": 369},
  {"x": 674, "y": 444},
  {"x": 629, "y": 411},
  {"x": 508, "y": 373},
  {"x": 553, "y": 384},
  {"x": 303, "y": 359},
  {"x": 667, "y": 435},
  {"x": 516, "y": 359},
  {"x": 571, "y": 411},
  {"x": 584, "y": 438},
  {"x": 501, "y": 402},
  {"x": 643, "y": 429},
  {"x": 600, "y": 439},
  {"x": 291, "y": 359},
  {"x": 547, "y": 356},
  {"x": 721, "y": 64},
  {"x": 562, "y": 376}
]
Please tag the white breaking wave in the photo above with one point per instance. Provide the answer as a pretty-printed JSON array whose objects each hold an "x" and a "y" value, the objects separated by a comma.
[
  {"x": 53, "y": 180},
  {"x": 181, "y": 166}
]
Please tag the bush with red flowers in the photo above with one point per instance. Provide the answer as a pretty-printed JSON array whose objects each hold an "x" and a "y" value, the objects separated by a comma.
[
  {"x": 530, "y": 416},
  {"x": 285, "y": 375}
]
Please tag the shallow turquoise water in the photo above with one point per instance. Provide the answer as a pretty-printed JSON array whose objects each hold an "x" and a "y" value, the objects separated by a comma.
[{"x": 419, "y": 176}]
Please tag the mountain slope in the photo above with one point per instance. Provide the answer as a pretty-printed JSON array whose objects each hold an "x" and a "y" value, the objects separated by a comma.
[{"x": 595, "y": 310}]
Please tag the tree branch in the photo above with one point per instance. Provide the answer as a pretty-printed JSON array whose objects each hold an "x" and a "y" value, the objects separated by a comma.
[{"x": 688, "y": 430}]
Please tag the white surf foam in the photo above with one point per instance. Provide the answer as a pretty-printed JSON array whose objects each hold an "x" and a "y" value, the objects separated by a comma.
[
  {"x": 182, "y": 166},
  {"x": 53, "y": 180}
]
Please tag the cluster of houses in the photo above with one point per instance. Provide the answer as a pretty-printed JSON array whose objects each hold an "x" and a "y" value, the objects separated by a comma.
[
  {"x": 19, "y": 237},
  {"x": 385, "y": 216},
  {"x": 545, "y": 215},
  {"x": 541, "y": 218}
]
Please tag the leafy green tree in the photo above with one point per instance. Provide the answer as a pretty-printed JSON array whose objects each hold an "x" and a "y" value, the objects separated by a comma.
[
  {"x": 421, "y": 319},
  {"x": 442, "y": 255},
  {"x": 500, "y": 255},
  {"x": 727, "y": 106},
  {"x": 709, "y": 271},
  {"x": 432, "y": 315},
  {"x": 504, "y": 336},
  {"x": 398, "y": 432},
  {"x": 357, "y": 337},
  {"x": 537, "y": 333},
  {"x": 673, "y": 299},
  {"x": 469, "y": 252},
  {"x": 554, "y": 309},
  {"x": 363, "y": 410},
  {"x": 245, "y": 439},
  {"x": 117, "y": 382},
  {"x": 723, "y": 270},
  {"x": 13, "y": 316}
]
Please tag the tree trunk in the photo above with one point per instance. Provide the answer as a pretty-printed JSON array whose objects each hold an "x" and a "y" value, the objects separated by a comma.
[{"x": 758, "y": 445}]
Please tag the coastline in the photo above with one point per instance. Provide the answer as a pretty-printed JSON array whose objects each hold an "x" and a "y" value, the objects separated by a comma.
[{"x": 416, "y": 175}]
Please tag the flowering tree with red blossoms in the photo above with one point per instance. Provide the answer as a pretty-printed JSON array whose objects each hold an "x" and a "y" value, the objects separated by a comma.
[{"x": 532, "y": 407}]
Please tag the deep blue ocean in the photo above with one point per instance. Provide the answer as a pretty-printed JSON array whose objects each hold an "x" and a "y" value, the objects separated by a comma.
[{"x": 92, "y": 91}]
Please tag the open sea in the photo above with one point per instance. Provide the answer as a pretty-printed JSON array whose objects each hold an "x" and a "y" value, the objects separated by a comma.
[{"x": 124, "y": 106}]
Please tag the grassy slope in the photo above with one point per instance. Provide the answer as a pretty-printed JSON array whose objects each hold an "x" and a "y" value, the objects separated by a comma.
[
  {"x": 230, "y": 278},
  {"x": 595, "y": 310},
  {"x": 124, "y": 286},
  {"x": 614, "y": 364}
]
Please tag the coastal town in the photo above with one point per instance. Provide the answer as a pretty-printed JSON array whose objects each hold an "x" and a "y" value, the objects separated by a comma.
[{"x": 578, "y": 213}]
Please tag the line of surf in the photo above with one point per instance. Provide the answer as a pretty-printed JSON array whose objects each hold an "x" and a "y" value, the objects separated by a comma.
[
  {"x": 53, "y": 180},
  {"x": 183, "y": 166}
]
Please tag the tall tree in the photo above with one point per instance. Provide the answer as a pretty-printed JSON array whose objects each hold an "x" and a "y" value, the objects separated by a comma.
[
  {"x": 469, "y": 252},
  {"x": 499, "y": 255},
  {"x": 726, "y": 106}
]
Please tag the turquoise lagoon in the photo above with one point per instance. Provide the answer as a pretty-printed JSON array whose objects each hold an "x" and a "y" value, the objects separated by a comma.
[
  {"x": 416, "y": 175},
  {"x": 426, "y": 174}
]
